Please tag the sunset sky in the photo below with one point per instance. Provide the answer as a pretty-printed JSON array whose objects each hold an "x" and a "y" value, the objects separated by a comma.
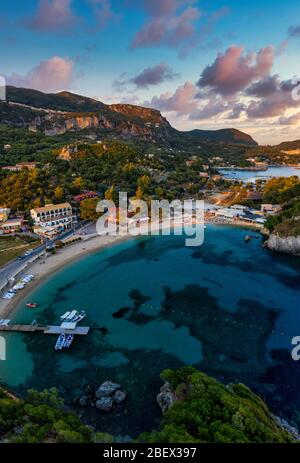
[{"x": 204, "y": 64}]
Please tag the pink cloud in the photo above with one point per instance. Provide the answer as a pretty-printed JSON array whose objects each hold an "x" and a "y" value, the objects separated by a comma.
[
  {"x": 52, "y": 15},
  {"x": 233, "y": 71},
  {"x": 171, "y": 23},
  {"x": 51, "y": 75},
  {"x": 182, "y": 101}
]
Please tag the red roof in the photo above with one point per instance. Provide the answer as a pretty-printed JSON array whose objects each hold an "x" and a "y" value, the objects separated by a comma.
[{"x": 83, "y": 196}]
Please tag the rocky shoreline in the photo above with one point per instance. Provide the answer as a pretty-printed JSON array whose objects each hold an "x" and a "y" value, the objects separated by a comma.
[{"x": 283, "y": 244}]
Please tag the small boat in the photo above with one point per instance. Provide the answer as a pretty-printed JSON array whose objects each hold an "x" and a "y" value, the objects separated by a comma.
[
  {"x": 60, "y": 342},
  {"x": 65, "y": 315},
  {"x": 32, "y": 305},
  {"x": 68, "y": 341},
  {"x": 72, "y": 315},
  {"x": 79, "y": 317}
]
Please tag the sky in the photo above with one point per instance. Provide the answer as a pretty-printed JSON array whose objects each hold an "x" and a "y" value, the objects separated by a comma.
[{"x": 204, "y": 64}]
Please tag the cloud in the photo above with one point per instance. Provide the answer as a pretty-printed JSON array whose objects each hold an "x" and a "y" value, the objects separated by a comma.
[
  {"x": 291, "y": 120},
  {"x": 273, "y": 103},
  {"x": 182, "y": 101},
  {"x": 102, "y": 12},
  {"x": 294, "y": 31},
  {"x": 233, "y": 71},
  {"x": 171, "y": 23},
  {"x": 58, "y": 16},
  {"x": 264, "y": 87},
  {"x": 52, "y": 15},
  {"x": 148, "y": 77},
  {"x": 51, "y": 75}
]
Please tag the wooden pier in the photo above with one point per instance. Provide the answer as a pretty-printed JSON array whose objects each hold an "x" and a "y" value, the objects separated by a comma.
[{"x": 79, "y": 330}]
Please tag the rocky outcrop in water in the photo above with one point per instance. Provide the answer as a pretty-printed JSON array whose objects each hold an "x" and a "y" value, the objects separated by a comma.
[
  {"x": 166, "y": 397},
  {"x": 284, "y": 244},
  {"x": 107, "y": 389},
  {"x": 106, "y": 397}
]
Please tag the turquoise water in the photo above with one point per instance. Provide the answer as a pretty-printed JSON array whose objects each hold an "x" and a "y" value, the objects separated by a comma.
[
  {"x": 228, "y": 308},
  {"x": 251, "y": 176}
]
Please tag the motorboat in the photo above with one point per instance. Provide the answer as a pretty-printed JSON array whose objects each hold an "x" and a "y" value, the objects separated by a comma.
[
  {"x": 65, "y": 315},
  {"x": 79, "y": 317},
  {"x": 68, "y": 340},
  {"x": 72, "y": 315},
  {"x": 32, "y": 305},
  {"x": 60, "y": 342}
]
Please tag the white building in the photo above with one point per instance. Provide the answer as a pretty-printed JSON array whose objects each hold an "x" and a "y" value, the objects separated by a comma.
[{"x": 53, "y": 218}]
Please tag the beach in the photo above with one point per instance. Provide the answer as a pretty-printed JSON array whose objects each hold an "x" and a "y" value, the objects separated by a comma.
[
  {"x": 49, "y": 263},
  {"x": 45, "y": 266}
]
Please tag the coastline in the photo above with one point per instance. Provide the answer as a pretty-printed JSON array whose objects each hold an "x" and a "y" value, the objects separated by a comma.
[{"x": 46, "y": 266}]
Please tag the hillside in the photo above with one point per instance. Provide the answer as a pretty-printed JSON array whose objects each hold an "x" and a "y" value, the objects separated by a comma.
[
  {"x": 289, "y": 145},
  {"x": 223, "y": 135},
  {"x": 198, "y": 409},
  {"x": 56, "y": 114}
]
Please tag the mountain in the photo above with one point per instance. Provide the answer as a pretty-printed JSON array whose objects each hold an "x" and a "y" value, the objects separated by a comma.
[{"x": 58, "y": 113}]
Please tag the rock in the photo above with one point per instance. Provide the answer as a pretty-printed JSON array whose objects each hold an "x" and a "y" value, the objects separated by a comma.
[
  {"x": 248, "y": 238},
  {"x": 166, "y": 398},
  {"x": 285, "y": 244},
  {"x": 107, "y": 389},
  {"x": 104, "y": 404},
  {"x": 84, "y": 401},
  {"x": 119, "y": 397}
]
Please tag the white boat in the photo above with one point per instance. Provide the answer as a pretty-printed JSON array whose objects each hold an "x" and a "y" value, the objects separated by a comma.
[
  {"x": 72, "y": 315},
  {"x": 60, "y": 342},
  {"x": 68, "y": 341},
  {"x": 79, "y": 317},
  {"x": 65, "y": 315}
]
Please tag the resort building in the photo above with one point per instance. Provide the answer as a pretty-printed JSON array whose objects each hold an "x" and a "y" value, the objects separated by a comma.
[
  {"x": 85, "y": 195},
  {"x": 53, "y": 219},
  {"x": 270, "y": 208},
  {"x": 11, "y": 225},
  {"x": 20, "y": 166}
]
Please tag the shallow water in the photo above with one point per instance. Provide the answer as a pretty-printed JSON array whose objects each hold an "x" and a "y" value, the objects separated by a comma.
[{"x": 228, "y": 308}]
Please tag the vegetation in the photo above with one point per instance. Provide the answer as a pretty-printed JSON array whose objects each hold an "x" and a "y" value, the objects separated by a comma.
[
  {"x": 14, "y": 246},
  {"x": 286, "y": 192},
  {"x": 41, "y": 418},
  {"x": 207, "y": 411}
]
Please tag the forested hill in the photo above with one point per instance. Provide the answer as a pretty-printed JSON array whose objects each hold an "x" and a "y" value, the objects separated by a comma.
[{"x": 55, "y": 114}]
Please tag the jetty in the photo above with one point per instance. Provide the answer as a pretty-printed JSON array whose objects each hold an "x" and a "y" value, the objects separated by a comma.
[{"x": 57, "y": 330}]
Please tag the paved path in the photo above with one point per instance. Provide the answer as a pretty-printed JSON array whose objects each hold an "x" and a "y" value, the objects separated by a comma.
[{"x": 17, "y": 265}]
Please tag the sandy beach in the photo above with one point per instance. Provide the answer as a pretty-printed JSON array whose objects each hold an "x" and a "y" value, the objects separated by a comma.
[{"x": 45, "y": 266}]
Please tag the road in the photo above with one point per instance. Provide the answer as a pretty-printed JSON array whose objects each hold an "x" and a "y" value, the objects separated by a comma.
[{"x": 15, "y": 266}]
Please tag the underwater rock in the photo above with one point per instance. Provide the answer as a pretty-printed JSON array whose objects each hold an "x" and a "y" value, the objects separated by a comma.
[
  {"x": 122, "y": 312},
  {"x": 119, "y": 397},
  {"x": 107, "y": 389},
  {"x": 84, "y": 401},
  {"x": 104, "y": 404},
  {"x": 166, "y": 397}
]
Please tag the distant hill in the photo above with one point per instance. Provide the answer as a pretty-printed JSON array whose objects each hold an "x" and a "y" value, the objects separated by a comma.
[
  {"x": 63, "y": 112},
  {"x": 223, "y": 135},
  {"x": 289, "y": 145}
]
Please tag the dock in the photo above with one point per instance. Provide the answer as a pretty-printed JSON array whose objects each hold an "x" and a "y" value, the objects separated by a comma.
[{"x": 78, "y": 331}]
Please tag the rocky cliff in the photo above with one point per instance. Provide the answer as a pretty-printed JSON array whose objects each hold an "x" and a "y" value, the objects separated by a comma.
[
  {"x": 56, "y": 114},
  {"x": 287, "y": 245}
]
